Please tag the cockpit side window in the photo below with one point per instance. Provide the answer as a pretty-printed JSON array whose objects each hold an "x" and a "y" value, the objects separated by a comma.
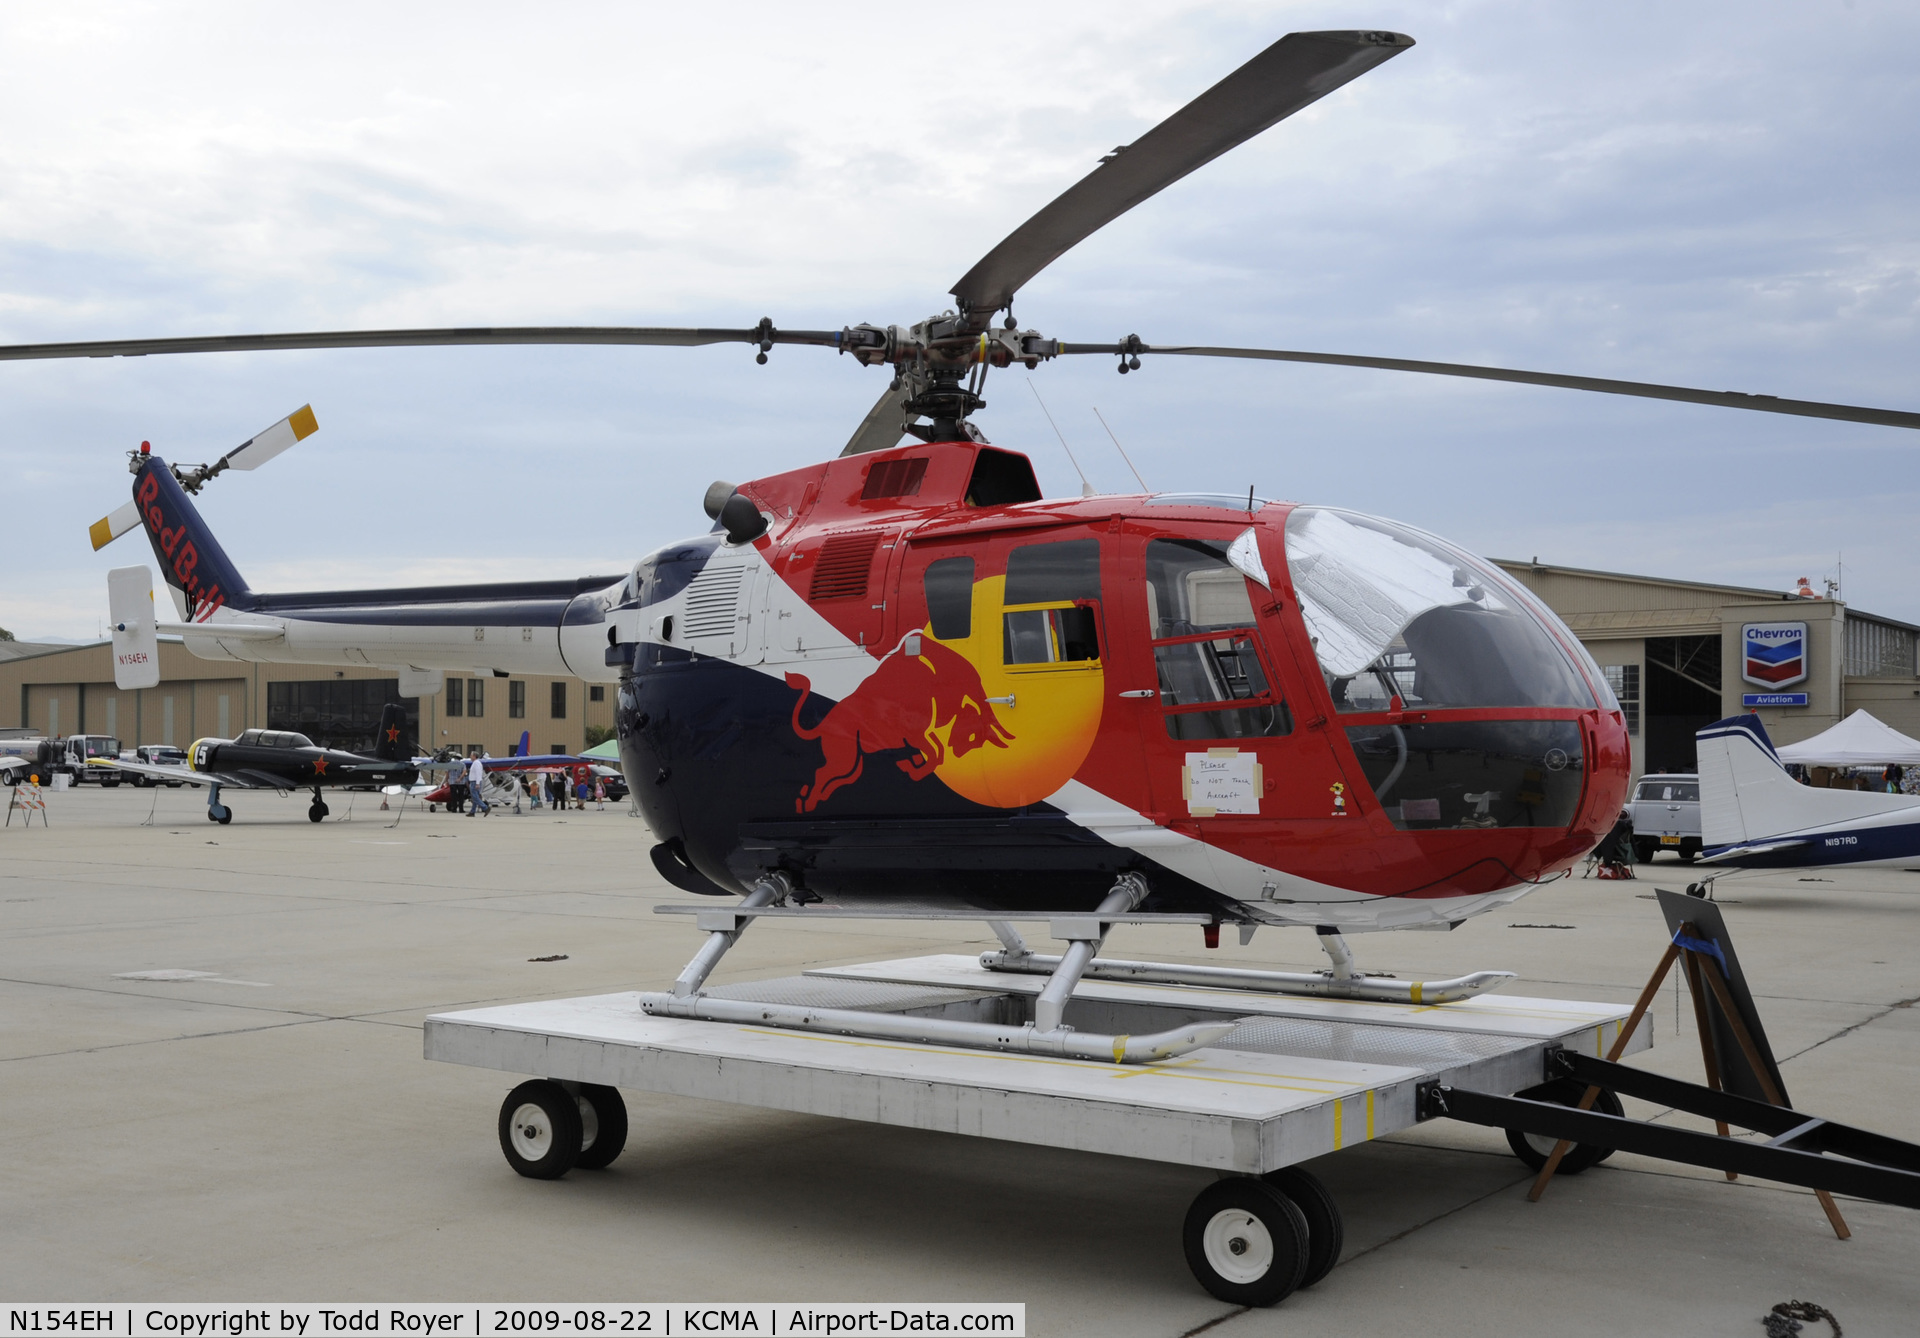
[{"x": 1205, "y": 646}]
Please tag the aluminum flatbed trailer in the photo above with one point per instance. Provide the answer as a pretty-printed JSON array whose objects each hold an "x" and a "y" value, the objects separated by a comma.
[{"x": 1296, "y": 1078}]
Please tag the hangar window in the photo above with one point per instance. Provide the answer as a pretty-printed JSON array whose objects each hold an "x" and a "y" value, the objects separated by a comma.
[
  {"x": 336, "y": 713},
  {"x": 476, "y": 702},
  {"x": 516, "y": 699},
  {"x": 559, "y": 703},
  {"x": 1624, "y": 679},
  {"x": 456, "y": 697}
]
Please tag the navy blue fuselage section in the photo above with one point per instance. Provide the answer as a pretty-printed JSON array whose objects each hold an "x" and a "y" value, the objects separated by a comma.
[
  {"x": 710, "y": 750},
  {"x": 1862, "y": 845}
]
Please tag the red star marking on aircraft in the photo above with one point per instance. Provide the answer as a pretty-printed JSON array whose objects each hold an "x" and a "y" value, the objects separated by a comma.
[
  {"x": 319, "y": 766},
  {"x": 393, "y": 734}
]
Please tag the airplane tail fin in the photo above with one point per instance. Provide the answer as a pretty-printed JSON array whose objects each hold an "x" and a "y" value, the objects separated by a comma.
[
  {"x": 1747, "y": 797},
  {"x": 192, "y": 562},
  {"x": 1745, "y": 793},
  {"x": 526, "y": 749},
  {"x": 136, "y": 643},
  {"x": 393, "y": 745}
]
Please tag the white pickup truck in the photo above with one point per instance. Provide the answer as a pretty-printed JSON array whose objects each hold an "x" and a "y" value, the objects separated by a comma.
[{"x": 1666, "y": 816}]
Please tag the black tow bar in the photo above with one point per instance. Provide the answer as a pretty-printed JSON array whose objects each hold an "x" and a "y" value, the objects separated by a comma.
[{"x": 1865, "y": 1165}]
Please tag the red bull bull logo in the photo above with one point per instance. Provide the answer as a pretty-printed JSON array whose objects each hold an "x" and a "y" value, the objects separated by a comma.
[{"x": 923, "y": 697}]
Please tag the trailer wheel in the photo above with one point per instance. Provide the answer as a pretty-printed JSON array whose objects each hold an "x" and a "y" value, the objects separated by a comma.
[
  {"x": 1534, "y": 1149},
  {"x": 603, "y": 1126},
  {"x": 1246, "y": 1242},
  {"x": 1326, "y": 1232},
  {"x": 540, "y": 1129}
]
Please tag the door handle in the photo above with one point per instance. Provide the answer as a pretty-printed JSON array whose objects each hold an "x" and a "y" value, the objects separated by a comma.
[
  {"x": 1141, "y": 693},
  {"x": 1002, "y": 701}
]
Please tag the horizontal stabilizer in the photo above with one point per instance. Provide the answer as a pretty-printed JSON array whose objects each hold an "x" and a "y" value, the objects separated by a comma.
[
  {"x": 136, "y": 642},
  {"x": 1734, "y": 854},
  {"x": 226, "y": 631}
]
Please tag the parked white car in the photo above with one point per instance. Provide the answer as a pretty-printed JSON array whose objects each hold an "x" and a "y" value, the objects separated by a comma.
[{"x": 1666, "y": 816}]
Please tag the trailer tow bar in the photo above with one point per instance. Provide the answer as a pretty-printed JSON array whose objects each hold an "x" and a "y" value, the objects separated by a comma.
[{"x": 1800, "y": 1150}]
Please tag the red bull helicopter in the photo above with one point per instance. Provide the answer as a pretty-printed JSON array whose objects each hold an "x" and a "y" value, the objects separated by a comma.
[{"x": 903, "y": 682}]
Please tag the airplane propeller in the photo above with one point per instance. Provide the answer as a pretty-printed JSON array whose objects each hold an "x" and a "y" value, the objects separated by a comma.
[{"x": 941, "y": 363}]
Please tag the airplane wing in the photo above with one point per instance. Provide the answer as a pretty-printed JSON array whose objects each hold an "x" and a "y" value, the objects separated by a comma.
[
  {"x": 239, "y": 780},
  {"x": 535, "y": 763},
  {"x": 1734, "y": 854}
]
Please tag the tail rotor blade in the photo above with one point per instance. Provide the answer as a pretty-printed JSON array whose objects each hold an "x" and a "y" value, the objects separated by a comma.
[
  {"x": 295, "y": 427},
  {"x": 111, "y": 526}
]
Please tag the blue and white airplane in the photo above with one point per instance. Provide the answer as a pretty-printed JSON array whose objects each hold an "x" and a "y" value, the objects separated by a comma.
[{"x": 1754, "y": 815}]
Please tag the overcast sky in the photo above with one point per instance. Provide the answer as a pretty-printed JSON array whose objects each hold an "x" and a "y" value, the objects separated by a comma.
[{"x": 1714, "y": 195}]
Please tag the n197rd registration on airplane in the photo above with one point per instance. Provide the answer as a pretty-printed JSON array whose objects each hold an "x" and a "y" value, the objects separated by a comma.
[{"x": 902, "y": 682}]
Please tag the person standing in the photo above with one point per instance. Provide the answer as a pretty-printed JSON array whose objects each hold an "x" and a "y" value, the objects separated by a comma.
[{"x": 477, "y": 783}]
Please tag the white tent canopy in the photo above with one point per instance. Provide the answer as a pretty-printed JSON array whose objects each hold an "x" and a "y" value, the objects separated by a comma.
[{"x": 1858, "y": 741}]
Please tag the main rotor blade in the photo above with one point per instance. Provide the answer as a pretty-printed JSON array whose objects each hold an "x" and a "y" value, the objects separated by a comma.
[
  {"x": 1725, "y": 399},
  {"x": 1295, "y": 71},
  {"x": 510, "y": 334},
  {"x": 884, "y": 424}
]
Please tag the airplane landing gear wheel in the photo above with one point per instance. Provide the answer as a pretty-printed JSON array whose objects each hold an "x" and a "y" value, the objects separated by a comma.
[
  {"x": 1326, "y": 1231},
  {"x": 1246, "y": 1242},
  {"x": 540, "y": 1129},
  {"x": 316, "y": 811},
  {"x": 219, "y": 813},
  {"x": 603, "y": 1126},
  {"x": 1534, "y": 1149}
]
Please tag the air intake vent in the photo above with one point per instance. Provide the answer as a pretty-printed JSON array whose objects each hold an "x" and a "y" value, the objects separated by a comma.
[
  {"x": 712, "y": 601},
  {"x": 895, "y": 478},
  {"x": 845, "y": 563}
]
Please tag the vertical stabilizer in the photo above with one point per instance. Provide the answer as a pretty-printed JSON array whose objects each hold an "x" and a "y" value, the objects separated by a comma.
[
  {"x": 136, "y": 641},
  {"x": 393, "y": 745},
  {"x": 1745, "y": 794},
  {"x": 192, "y": 562}
]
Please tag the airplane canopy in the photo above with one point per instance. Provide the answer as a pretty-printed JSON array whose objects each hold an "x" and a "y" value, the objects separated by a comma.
[{"x": 1858, "y": 741}]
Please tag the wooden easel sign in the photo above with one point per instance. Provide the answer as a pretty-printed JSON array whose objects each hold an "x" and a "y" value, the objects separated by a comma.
[{"x": 1733, "y": 1044}]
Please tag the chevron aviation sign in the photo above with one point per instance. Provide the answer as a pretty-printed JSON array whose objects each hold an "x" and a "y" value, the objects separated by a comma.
[{"x": 1773, "y": 655}]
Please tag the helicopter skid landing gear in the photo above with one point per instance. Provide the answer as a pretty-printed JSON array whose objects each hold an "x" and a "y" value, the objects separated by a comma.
[
  {"x": 1047, "y": 1034},
  {"x": 1342, "y": 982}
]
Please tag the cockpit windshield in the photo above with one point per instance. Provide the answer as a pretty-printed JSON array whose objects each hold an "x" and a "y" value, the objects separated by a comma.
[{"x": 1395, "y": 613}]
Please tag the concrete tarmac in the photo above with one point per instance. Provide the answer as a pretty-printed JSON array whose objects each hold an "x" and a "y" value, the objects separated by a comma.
[{"x": 257, "y": 1123}]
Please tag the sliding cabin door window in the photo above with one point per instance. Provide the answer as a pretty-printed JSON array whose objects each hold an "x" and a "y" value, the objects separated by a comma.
[{"x": 1050, "y": 605}]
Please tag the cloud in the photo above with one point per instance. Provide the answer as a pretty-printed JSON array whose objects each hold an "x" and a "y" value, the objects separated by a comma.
[{"x": 1714, "y": 195}]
